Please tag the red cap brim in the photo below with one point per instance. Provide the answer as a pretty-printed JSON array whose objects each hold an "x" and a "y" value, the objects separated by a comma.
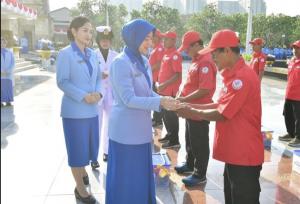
[
  {"x": 206, "y": 50},
  {"x": 182, "y": 48}
]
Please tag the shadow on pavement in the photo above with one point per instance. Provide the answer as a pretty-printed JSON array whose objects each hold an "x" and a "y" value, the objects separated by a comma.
[
  {"x": 8, "y": 125},
  {"x": 25, "y": 82}
]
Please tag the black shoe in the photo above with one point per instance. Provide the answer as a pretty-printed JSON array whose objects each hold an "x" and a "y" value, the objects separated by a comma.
[
  {"x": 86, "y": 180},
  {"x": 193, "y": 180},
  {"x": 164, "y": 140},
  {"x": 183, "y": 169},
  {"x": 95, "y": 165},
  {"x": 295, "y": 142},
  {"x": 170, "y": 145},
  {"x": 8, "y": 104},
  {"x": 105, "y": 157},
  {"x": 286, "y": 138},
  {"x": 2, "y": 104},
  {"x": 88, "y": 200}
]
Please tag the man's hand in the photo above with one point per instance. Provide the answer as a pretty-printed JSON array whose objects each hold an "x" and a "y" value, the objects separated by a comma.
[
  {"x": 189, "y": 112},
  {"x": 160, "y": 87}
]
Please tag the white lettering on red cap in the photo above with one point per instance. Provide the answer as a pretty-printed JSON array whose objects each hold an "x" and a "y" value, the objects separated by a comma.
[
  {"x": 205, "y": 70},
  {"x": 237, "y": 84}
]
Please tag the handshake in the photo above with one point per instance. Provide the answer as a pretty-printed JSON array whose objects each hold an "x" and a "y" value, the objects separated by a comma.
[
  {"x": 182, "y": 109},
  {"x": 171, "y": 104},
  {"x": 92, "y": 97}
]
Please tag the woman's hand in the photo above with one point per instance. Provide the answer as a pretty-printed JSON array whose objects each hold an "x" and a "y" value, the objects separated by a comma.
[
  {"x": 170, "y": 103},
  {"x": 92, "y": 97}
]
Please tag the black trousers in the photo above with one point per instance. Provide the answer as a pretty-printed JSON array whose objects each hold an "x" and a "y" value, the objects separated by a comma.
[
  {"x": 171, "y": 123},
  {"x": 157, "y": 116},
  {"x": 291, "y": 112},
  {"x": 241, "y": 184},
  {"x": 197, "y": 146}
]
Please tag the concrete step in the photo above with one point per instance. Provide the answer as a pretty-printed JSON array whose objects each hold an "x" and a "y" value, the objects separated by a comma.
[
  {"x": 27, "y": 67},
  {"x": 22, "y": 64}
]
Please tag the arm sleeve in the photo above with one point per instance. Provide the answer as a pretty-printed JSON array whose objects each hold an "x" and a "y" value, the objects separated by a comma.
[
  {"x": 122, "y": 82},
  {"x": 63, "y": 67}
]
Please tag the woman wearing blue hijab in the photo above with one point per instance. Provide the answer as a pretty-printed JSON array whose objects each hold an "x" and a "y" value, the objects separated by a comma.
[{"x": 129, "y": 171}]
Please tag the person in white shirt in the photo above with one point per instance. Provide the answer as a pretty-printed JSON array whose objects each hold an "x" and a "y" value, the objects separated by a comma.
[{"x": 105, "y": 55}]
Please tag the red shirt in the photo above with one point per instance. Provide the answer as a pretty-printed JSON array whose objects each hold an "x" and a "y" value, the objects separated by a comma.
[
  {"x": 258, "y": 62},
  {"x": 155, "y": 57},
  {"x": 201, "y": 75},
  {"x": 170, "y": 65},
  {"x": 293, "y": 85},
  {"x": 238, "y": 138}
]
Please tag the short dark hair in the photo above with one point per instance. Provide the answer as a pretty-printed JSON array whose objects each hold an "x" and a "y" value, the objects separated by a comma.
[
  {"x": 235, "y": 50},
  {"x": 76, "y": 23}
]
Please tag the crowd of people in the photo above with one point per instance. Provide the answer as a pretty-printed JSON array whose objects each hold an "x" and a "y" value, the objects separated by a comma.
[{"x": 109, "y": 97}]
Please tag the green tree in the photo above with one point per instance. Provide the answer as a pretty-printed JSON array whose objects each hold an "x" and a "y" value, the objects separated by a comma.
[
  {"x": 164, "y": 18},
  {"x": 95, "y": 10},
  {"x": 207, "y": 22}
]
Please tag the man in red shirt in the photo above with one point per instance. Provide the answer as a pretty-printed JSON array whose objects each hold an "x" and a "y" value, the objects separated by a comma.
[
  {"x": 169, "y": 80},
  {"x": 199, "y": 88},
  {"x": 291, "y": 110},
  {"x": 238, "y": 141},
  {"x": 155, "y": 62},
  {"x": 258, "y": 60}
]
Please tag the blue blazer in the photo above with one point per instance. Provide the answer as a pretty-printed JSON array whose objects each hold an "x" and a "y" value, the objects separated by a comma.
[
  {"x": 7, "y": 64},
  {"x": 74, "y": 79},
  {"x": 130, "y": 118}
]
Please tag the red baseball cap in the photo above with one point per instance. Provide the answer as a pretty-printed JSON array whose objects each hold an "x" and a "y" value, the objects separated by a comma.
[
  {"x": 158, "y": 33},
  {"x": 221, "y": 39},
  {"x": 169, "y": 34},
  {"x": 296, "y": 44},
  {"x": 257, "y": 41},
  {"x": 189, "y": 38}
]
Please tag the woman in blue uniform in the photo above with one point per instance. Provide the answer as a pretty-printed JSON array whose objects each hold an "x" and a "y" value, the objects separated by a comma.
[
  {"x": 7, "y": 71},
  {"x": 129, "y": 171},
  {"x": 78, "y": 76}
]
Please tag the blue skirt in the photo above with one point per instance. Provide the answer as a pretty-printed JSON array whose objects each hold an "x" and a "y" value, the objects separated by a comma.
[
  {"x": 7, "y": 94},
  {"x": 129, "y": 174},
  {"x": 82, "y": 140}
]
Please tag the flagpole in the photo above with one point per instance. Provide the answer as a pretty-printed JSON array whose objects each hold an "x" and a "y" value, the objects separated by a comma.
[{"x": 249, "y": 28}]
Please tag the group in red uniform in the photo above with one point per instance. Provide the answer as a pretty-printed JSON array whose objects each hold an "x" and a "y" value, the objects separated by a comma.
[
  {"x": 291, "y": 110},
  {"x": 238, "y": 141}
]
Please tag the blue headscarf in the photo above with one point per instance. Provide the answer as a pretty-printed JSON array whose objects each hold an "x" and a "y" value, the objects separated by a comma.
[{"x": 134, "y": 33}]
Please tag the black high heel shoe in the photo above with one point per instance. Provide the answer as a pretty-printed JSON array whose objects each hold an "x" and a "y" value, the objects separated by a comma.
[
  {"x": 88, "y": 200},
  {"x": 95, "y": 165},
  {"x": 86, "y": 180}
]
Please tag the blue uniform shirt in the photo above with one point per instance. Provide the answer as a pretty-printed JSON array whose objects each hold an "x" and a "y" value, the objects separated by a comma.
[
  {"x": 74, "y": 79},
  {"x": 130, "y": 118}
]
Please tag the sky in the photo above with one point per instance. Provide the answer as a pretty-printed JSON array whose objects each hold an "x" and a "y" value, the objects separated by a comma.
[{"x": 287, "y": 7}]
